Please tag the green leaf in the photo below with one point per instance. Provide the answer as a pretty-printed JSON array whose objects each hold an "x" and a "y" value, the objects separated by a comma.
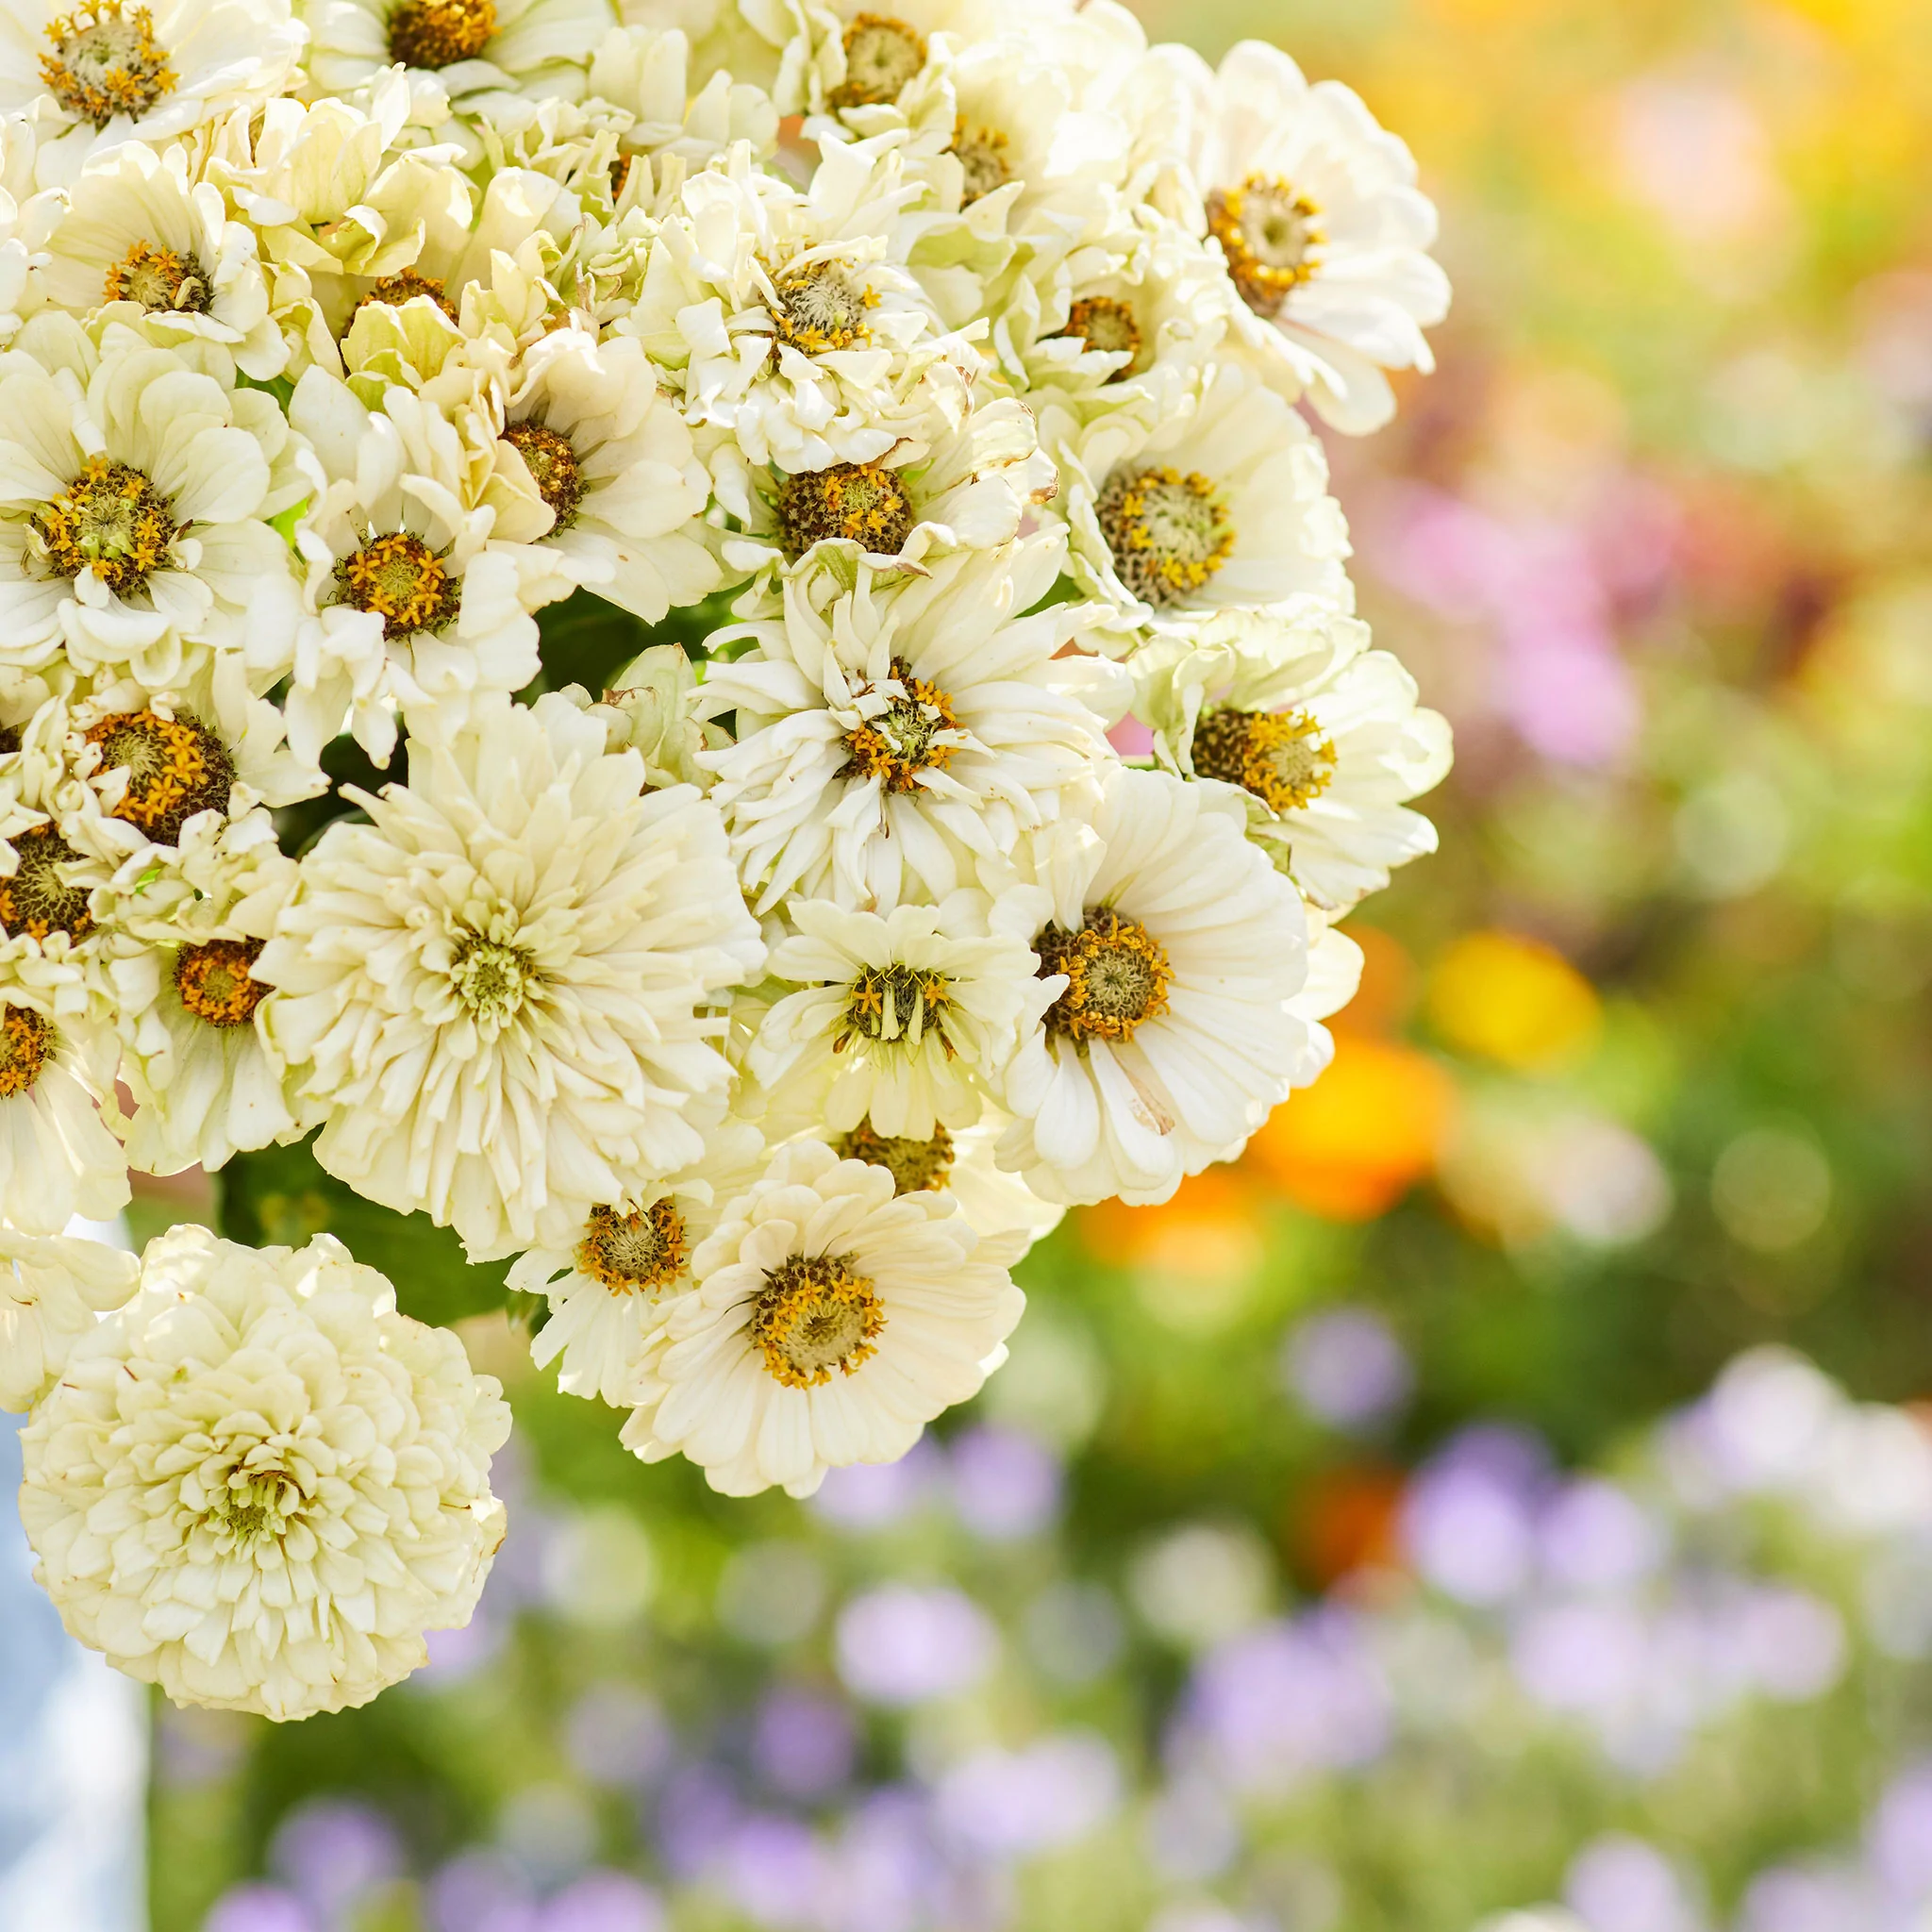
[
  {"x": 585, "y": 641},
  {"x": 281, "y": 1198}
]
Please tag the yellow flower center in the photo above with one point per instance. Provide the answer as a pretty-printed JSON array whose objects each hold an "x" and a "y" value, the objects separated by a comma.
[
  {"x": 158, "y": 278},
  {"x": 898, "y": 1003},
  {"x": 816, "y": 1314},
  {"x": 860, "y": 503},
  {"x": 105, "y": 62},
  {"x": 27, "y": 1037},
  {"x": 215, "y": 984},
  {"x": 1271, "y": 236},
  {"x": 631, "y": 1253},
  {"x": 110, "y": 520},
  {"x": 37, "y": 901},
  {"x": 882, "y": 54},
  {"x": 981, "y": 153},
  {"x": 403, "y": 581},
  {"x": 1283, "y": 757},
  {"x": 916, "y": 1166},
  {"x": 554, "y": 468},
  {"x": 821, "y": 307},
  {"x": 895, "y": 744},
  {"x": 1108, "y": 325},
  {"x": 1117, "y": 976},
  {"x": 175, "y": 767},
  {"x": 439, "y": 33},
  {"x": 405, "y": 287},
  {"x": 1169, "y": 532},
  {"x": 494, "y": 981}
]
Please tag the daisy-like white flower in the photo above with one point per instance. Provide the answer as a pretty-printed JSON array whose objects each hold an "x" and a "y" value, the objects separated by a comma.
[
  {"x": 417, "y": 607},
  {"x": 1323, "y": 736},
  {"x": 28, "y": 217},
  {"x": 538, "y": 48},
  {"x": 1325, "y": 232},
  {"x": 596, "y": 465},
  {"x": 1173, "y": 948},
  {"x": 492, "y": 991},
  {"x": 789, "y": 318},
  {"x": 112, "y": 70},
  {"x": 135, "y": 500},
  {"x": 57, "y": 1158},
  {"x": 832, "y": 1319},
  {"x": 53, "y": 1291},
  {"x": 138, "y": 230},
  {"x": 612, "y": 1276},
  {"x": 648, "y": 73},
  {"x": 257, "y": 1485},
  {"x": 1225, "y": 506},
  {"x": 904, "y": 1020},
  {"x": 885, "y": 737}
]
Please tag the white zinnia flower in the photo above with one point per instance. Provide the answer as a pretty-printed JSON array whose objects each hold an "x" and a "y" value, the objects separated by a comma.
[
  {"x": 905, "y": 1019},
  {"x": 53, "y": 1291},
  {"x": 594, "y": 463},
  {"x": 139, "y": 231},
  {"x": 539, "y": 49},
  {"x": 613, "y": 1281},
  {"x": 257, "y": 1485},
  {"x": 831, "y": 1322},
  {"x": 1173, "y": 948},
  {"x": 118, "y": 70},
  {"x": 491, "y": 990},
  {"x": 136, "y": 495},
  {"x": 57, "y": 1158},
  {"x": 1223, "y": 506},
  {"x": 885, "y": 739},
  {"x": 1323, "y": 738},
  {"x": 1317, "y": 213}
]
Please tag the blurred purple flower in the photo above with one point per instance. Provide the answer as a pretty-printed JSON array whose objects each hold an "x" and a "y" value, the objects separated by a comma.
[
  {"x": 901, "y": 1644},
  {"x": 1595, "y": 1536},
  {"x": 1006, "y": 1482},
  {"x": 696, "y": 1816},
  {"x": 776, "y": 1871},
  {"x": 1899, "y": 1839},
  {"x": 1595, "y": 1657},
  {"x": 1621, "y": 1883},
  {"x": 888, "y": 1874},
  {"x": 1467, "y": 1518},
  {"x": 1786, "y": 1899},
  {"x": 1794, "y": 1643},
  {"x": 333, "y": 1852},
  {"x": 257, "y": 1908},
  {"x": 1191, "y": 1833},
  {"x": 804, "y": 1744},
  {"x": 615, "y": 1735},
  {"x": 874, "y": 1496},
  {"x": 1347, "y": 1368},
  {"x": 602, "y": 1901},
  {"x": 1010, "y": 1804},
  {"x": 481, "y": 1890}
]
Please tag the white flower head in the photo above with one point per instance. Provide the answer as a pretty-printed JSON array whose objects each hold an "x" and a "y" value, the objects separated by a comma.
[
  {"x": 612, "y": 1278},
  {"x": 1325, "y": 232},
  {"x": 648, "y": 73},
  {"x": 905, "y": 1019},
  {"x": 114, "y": 70},
  {"x": 1323, "y": 738},
  {"x": 257, "y": 1485},
  {"x": 539, "y": 49},
  {"x": 1223, "y": 506},
  {"x": 1174, "y": 949},
  {"x": 57, "y": 1158},
  {"x": 493, "y": 992},
  {"x": 53, "y": 1291},
  {"x": 832, "y": 1319},
  {"x": 651, "y": 708},
  {"x": 885, "y": 738}
]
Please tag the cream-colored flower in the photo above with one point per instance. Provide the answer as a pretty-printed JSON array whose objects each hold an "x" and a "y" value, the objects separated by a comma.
[
  {"x": 473, "y": 47},
  {"x": 139, "y": 230},
  {"x": 117, "y": 70},
  {"x": 28, "y": 217},
  {"x": 493, "y": 992},
  {"x": 1323, "y": 738},
  {"x": 906, "y": 1020},
  {"x": 613, "y": 1276},
  {"x": 887, "y": 735},
  {"x": 1315, "y": 209},
  {"x": 57, "y": 1158},
  {"x": 257, "y": 1485},
  {"x": 832, "y": 1319},
  {"x": 53, "y": 1291},
  {"x": 1175, "y": 950},
  {"x": 1223, "y": 506},
  {"x": 648, "y": 73},
  {"x": 652, "y": 708},
  {"x": 594, "y": 465},
  {"x": 135, "y": 500}
]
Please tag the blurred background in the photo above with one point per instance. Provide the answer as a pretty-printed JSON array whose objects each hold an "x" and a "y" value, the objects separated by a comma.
[{"x": 1502, "y": 1499}]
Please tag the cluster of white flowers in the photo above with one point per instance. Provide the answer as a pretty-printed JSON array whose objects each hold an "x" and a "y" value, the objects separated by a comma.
[{"x": 766, "y": 1002}]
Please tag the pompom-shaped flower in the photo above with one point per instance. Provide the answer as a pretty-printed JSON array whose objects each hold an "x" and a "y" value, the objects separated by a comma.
[
  {"x": 1176, "y": 949},
  {"x": 491, "y": 990},
  {"x": 833, "y": 1318},
  {"x": 53, "y": 1291},
  {"x": 257, "y": 1485}
]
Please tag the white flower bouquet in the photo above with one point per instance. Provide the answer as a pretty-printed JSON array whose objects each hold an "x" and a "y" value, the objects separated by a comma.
[{"x": 706, "y": 652}]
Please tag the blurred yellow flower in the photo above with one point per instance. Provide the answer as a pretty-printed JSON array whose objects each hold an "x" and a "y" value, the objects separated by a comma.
[{"x": 1512, "y": 999}]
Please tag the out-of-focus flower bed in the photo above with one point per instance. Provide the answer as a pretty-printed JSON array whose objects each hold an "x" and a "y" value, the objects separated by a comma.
[{"x": 1408, "y": 1528}]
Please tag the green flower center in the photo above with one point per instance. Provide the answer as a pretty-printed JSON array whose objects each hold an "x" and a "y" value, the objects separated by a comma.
[
  {"x": 400, "y": 580},
  {"x": 882, "y": 54},
  {"x": 981, "y": 153},
  {"x": 1169, "y": 532},
  {"x": 1108, "y": 326},
  {"x": 896, "y": 743},
  {"x": 821, "y": 308},
  {"x": 898, "y": 1003},
  {"x": 860, "y": 503},
  {"x": 816, "y": 1314},
  {"x": 916, "y": 1166},
  {"x": 175, "y": 767},
  {"x": 439, "y": 33},
  {"x": 110, "y": 520},
  {"x": 554, "y": 468},
  {"x": 25, "y": 1040},
  {"x": 214, "y": 982},
  {"x": 158, "y": 278},
  {"x": 632, "y": 1253},
  {"x": 1283, "y": 757},
  {"x": 1117, "y": 977},
  {"x": 494, "y": 981},
  {"x": 1271, "y": 236},
  {"x": 37, "y": 901},
  {"x": 105, "y": 62}
]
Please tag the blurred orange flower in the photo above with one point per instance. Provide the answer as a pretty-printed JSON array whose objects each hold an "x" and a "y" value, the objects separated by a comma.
[
  {"x": 1207, "y": 1229},
  {"x": 1512, "y": 999},
  {"x": 1344, "y": 1520}
]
